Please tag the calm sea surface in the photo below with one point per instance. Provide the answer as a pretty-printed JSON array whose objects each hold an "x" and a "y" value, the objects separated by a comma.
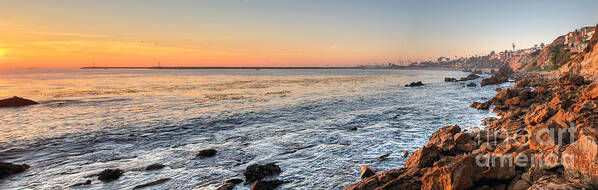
[{"x": 90, "y": 120}]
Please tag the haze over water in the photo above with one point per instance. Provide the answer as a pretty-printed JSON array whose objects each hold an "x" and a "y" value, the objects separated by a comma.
[{"x": 90, "y": 120}]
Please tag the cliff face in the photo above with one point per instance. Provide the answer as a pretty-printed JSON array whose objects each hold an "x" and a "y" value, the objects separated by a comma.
[{"x": 587, "y": 61}]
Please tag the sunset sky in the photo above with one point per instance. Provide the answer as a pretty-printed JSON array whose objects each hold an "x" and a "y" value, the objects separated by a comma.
[{"x": 273, "y": 33}]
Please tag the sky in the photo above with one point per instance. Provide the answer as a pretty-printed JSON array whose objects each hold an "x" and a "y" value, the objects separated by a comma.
[{"x": 76, "y": 33}]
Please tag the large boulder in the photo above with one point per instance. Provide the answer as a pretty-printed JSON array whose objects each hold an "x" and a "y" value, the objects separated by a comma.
[
  {"x": 424, "y": 157},
  {"x": 8, "y": 169},
  {"x": 16, "y": 102},
  {"x": 403, "y": 178},
  {"x": 580, "y": 159},
  {"x": 366, "y": 172},
  {"x": 206, "y": 153},
  {"x": 255, "y": 172},
  {"x": 229, "y": 184},
  {"x": 443, "y": 138},
  {"x": 460, "y": 172}
]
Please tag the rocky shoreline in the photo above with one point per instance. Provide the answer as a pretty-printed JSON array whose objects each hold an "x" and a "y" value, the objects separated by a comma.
[{"x": 545, "y": 138}]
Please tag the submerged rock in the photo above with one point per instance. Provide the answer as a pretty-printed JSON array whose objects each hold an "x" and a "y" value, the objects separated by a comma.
[
  {"x": 8, "y": 169},
  {"x": 16, "y": 102},
  {"x": 110, "y": 174},
  {"x": 155, "y": 166},
  {"x": 383, "y": 157},
  {"x": 206, "y": 153},
  {"x": 157, "y": 182},
  {"x": 266, "y": 184},
  {"x": 255, "y": 172},
  {"x": 418, "y": 83},
  {"x": 366, "y": 172},
  {"x": 88, "y": 182}
]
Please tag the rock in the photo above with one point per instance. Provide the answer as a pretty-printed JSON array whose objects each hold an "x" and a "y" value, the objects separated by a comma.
[
  {"x": 450, "y": 80},
  {"x": 229, "y": 184},
  {"x": 591, "y": 91},
  {"x": 8, "y": 169},
  {"x": 383, "y": 157},
  {"x": 157, "y": 182},
  {"x": 540, "y": 114},
  {"x": 266, "y": 185},
  {"x": 489, "y": 120},
  {"x": 471, "y": 84},
  {"x": 494, "y": 80},
  {"x": 16, "y": 102},
  {"x": 571, "y": 79},
  {"x": 110, "y": 174},
  {"x": 443, "y": 138},
  {"x": 423, "y": 157},
  {"x": 88, "y": 182},
  {"x": 581, "y": 157},
  {"x": 255, "y": 172},
  {"x": 418, "y": 83},
  {"x": 460, "y": 172},
  {"x": 206, "y": 153},
  {"x": 366, "y": 172},
  {"x": 154, "y": 167},
  {"x": 404, "y": 179},
  {"x": 404, "y": 153},
  {"x": 519, "y": 185},
  {"x": 353, "y": 129},
  {"x": 480, "y": 106},
  {"x": 555, "y": 183}
]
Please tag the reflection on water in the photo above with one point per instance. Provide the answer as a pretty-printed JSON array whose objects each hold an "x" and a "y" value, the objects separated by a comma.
[{"x": 90, "y": 120}]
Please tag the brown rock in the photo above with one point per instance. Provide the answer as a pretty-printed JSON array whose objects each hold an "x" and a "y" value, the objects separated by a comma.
[
  {"x": 519, "y": 185},
  {"x": 443, "y": 138},
  {"x": 480, "y": 106},
  {"x": 206, "y": 153},
  {"x": 229, "y": 184},
  {"x": 424, "y": 157},
  {"x": 8, "y": 169},
  {"x": 16, "y": 102},
  {"x": 366, "y": 172},
  {"x": 255, "y": 172},
  {"x": 582, "y": 157},
  {"x": 555, "y": 183},
  {"x": 458, "y": 172},
  {"x": 155, "y": 166},
  {"x": 110, "y": 174},
  {"x": 591, "y": 91},
  {"x": 540, "y": 114},
  {"x": 471, "y": 84},
  {"x": 266, "y": 184}
]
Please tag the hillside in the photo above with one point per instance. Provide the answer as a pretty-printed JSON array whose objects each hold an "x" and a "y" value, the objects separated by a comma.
[{"x": 587, "y": 61}]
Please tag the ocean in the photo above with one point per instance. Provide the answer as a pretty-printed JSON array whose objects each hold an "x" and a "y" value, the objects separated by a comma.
[{"x": 91, "y": 120}]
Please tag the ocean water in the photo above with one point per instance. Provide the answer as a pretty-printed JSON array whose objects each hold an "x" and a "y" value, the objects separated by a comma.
[{"x": 90, "y": 120}]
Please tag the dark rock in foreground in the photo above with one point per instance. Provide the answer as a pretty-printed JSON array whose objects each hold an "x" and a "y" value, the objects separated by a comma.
[
  {"x": 471, "y": 84},
  {"x": 16, "y": 102},
  {"x": 206, "y": 153},
  {"x": 8, "y": 169},
  {"x": 266, "y": 185},
  {"x": 110, "y": 174},
  {"x": 255, "y": 172},
  {"x": 155, "y": 166},
  {"x": 229, "y": 184},
  {"x": 418, "y": 83},
  {"x": 157, "y": 182}
]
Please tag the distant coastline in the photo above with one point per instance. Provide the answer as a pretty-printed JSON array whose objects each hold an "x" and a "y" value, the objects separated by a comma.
[{"x": 258, "y": 68}]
